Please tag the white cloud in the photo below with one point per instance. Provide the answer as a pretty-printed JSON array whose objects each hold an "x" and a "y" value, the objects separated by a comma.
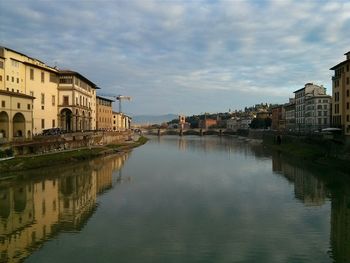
[{"x": 234, "y": 47}]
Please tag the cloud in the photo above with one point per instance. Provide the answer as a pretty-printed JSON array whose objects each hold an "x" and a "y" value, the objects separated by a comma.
[{"x": 258, "y": 50}]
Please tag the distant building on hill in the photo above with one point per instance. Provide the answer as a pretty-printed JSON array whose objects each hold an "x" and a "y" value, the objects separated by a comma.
[{"x": 207, "y": 123}]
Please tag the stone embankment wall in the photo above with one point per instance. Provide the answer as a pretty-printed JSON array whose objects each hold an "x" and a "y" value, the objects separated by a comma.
[
  {"x": 69, "y": 141},
  {"x": 329, "y": 145}
]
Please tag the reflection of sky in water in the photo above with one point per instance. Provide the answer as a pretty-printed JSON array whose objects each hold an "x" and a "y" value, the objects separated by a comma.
[{"x": 197, "y": 200}]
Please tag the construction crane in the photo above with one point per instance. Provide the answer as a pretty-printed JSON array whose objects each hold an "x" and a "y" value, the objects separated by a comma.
[{"x": 120, "y": 98}]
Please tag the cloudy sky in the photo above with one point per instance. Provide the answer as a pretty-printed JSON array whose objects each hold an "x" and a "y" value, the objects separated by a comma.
[{"x": 185, "y": 56}]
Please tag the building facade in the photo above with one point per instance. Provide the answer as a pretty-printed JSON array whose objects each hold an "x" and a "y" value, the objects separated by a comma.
[
  {"x": 278, "y": 118},
  {"x": 289, "y": 109},
  {"x": 120, "y": 121},
  {"x": 28, "y": 95},
  {"x": 76, "y": 102},
  {"x": 104, "y": 114},
  {"x": 317, "y": 112},
  {"x": 341, "y": 95},
  {"x": 309, "y": 90}
]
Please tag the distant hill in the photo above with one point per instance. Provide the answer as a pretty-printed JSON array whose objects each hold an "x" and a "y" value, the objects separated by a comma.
[{"x": 153, "y": 119}]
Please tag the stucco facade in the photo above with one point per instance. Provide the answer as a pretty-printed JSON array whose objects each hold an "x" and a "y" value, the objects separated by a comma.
[
  {"x": 341, "y": 95},
  {"x": 104, "y": 114},
  {"x": 120, "y": 121},
  {"x": 308, "y": 91},
  {"x": 76, "y": 102}
]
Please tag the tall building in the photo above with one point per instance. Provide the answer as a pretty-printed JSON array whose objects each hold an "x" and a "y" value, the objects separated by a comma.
[
  {"x": 317, "y": 112},
  {"x": 341, "y": 95},
  {"x": 76, "y": 102},
  {"x": 290, "y": 114},
  {"x": 278, "y": 117},
  {"x": 104, "y": 114},
  {"x": 308, "y": 91},
  {"x": 28, "y": 89}
]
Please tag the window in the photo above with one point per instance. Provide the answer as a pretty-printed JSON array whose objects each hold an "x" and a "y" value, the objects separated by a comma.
[
  {"x": 0, "y": 77},
  {"x": 347, "y": 118},
  {"x": 42, "y": 98},
  {"x": 43, "y": 123},
  {"x": 28, "y": 106},
  {"x": 31, "y": 74},
  {"x": 66, "y": 80},
  {"x": 7, "y": 77},
  {"x": 3, "y": 104},
  {"x": 53, "y": 100},
  {"x": 347, "y": 80},
  {"x": 347, "y": 105},
  {"x": 1, "y": 64},
  {"x": 18, "y": 105},
  {"x": 65, "y": 100},
  {"x": 53, "y": 78},
  {"x": 347, "y": 93},
  {"x": 42, "y": 77},
  {"x": 53, "y": 124},
  {"x": 13, "y": 79}
]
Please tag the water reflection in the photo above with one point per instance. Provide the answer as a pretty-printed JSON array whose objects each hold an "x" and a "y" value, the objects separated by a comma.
[
  {"x": 33, "y": 211},
  {"x": 310, "y": 188}
]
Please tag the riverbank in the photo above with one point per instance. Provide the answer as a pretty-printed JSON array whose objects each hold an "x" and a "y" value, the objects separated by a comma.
[
  {"x": 23, "y": 163},
  {"x": 321, "y": 155}
]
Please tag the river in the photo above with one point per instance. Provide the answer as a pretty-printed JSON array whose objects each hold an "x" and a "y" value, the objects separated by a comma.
[{"x": 188, "y": 199}]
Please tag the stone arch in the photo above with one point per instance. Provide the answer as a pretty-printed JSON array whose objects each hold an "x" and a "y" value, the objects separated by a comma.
[
  {"x": 4, "y": 124},
  {"x": 66, "y": 119},
  {"x": 19, "y": 124}
]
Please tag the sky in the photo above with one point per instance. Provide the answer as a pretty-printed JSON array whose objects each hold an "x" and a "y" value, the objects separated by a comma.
[{"x": 184, "y": 57}]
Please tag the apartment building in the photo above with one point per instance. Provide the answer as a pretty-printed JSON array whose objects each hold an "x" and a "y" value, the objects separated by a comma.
[
  {"x": 104, "y": 114},
  {"x": 120, "y": 121},
  {"x": 278, "y": 117},
  {"x": 317, "y": 112},
  {"x": 76, "y": 102},
  {"x": 289, "y": 109},
  {"x": 28, "y": 95},
  {"x": 341, "y": 95},
  {"x": 309, "y": 90}
]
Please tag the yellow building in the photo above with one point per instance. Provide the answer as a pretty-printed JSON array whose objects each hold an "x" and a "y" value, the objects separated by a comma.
[
  {"x": 28, "y": 215},
  {"x": 21, "y": 74},
  {"x": 76, "y": 102},
  {"x": 341, "y": 95},
  {"x": 120, "y": 121},
  {"x": 104, "y": 114}
]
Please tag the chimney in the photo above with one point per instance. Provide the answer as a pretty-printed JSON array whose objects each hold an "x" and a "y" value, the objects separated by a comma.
[{"x": 347, "y": 55}]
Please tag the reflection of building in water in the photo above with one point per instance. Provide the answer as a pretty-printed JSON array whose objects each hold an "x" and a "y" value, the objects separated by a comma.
[
  {"x": 340, "y": 227},
  {"x": 29, "y": 218},
  {"x": 32, "y": 212},
  {"x": 307, "y": 187},
  {"x": 182, "y": 144},
  {"x": 77, "y": 199},
  {"x": 103, "y": 169}
]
